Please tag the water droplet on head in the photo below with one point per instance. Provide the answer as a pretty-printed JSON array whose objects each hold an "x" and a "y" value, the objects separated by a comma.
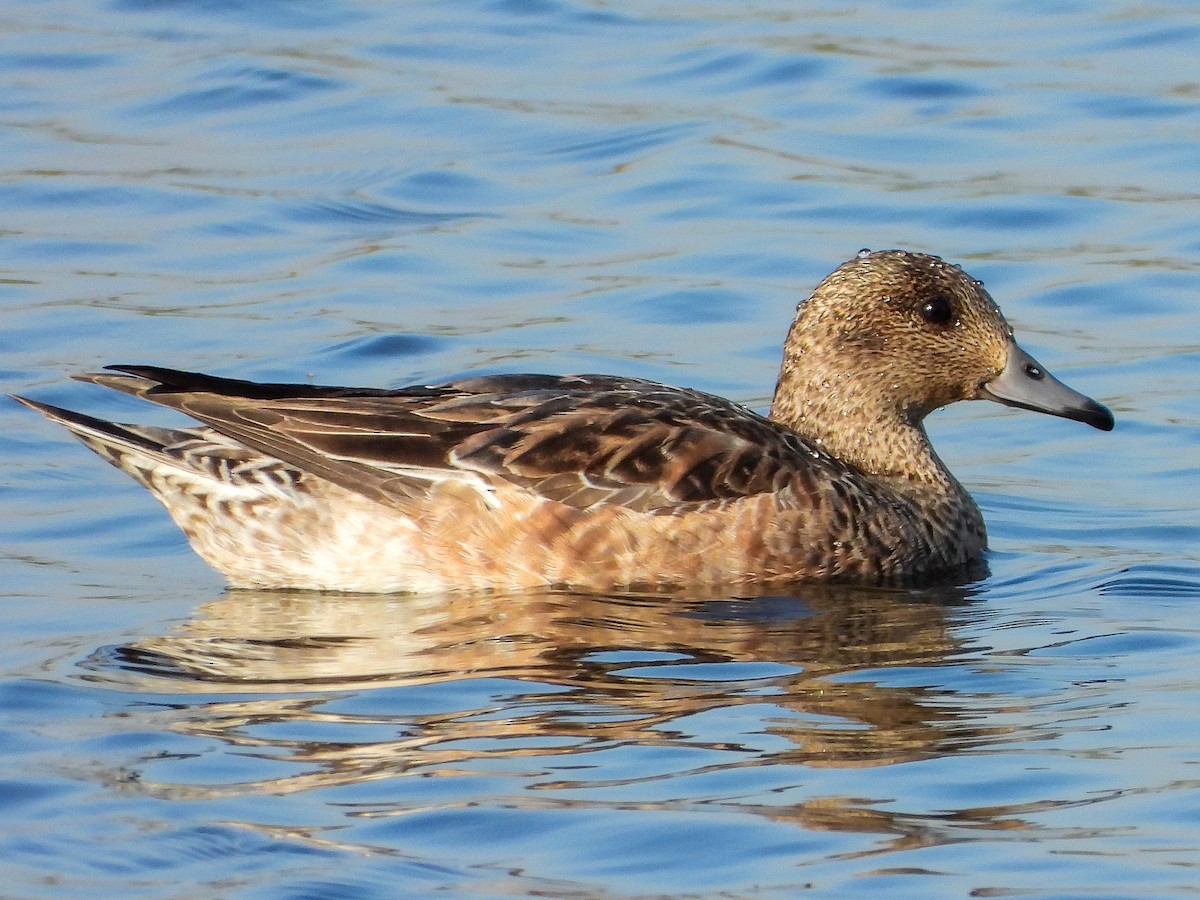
[{"x": 864, "y": 252}]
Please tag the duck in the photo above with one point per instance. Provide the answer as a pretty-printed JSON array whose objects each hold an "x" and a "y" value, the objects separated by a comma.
[{"x": 601, "y": 482}]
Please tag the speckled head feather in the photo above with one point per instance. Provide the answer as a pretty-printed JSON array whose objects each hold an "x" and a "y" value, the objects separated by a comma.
[
  {"x": 883, "y": 341},
  {"x": 596, "y": 481}
]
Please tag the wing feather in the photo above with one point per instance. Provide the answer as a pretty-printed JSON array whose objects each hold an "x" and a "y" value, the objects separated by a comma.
[{"x": 582, "y": 440}]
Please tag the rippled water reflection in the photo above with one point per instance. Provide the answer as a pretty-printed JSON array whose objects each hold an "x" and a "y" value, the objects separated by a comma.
[{"x": 381, "y": 193}]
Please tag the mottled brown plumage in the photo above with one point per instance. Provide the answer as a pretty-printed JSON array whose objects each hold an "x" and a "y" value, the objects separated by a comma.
[{"x": 597, "y": 481}]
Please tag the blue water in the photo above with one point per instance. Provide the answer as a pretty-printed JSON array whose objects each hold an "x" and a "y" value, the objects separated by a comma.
[{"x": 380, "y": 193}]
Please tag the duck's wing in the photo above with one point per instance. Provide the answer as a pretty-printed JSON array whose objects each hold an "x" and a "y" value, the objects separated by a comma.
[{"x": 585, "y": 440}]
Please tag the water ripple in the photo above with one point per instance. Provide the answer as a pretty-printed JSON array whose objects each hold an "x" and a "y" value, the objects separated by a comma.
[
  {"x": 239, "y": 89},
  {"x": 1155, "y": 581}
]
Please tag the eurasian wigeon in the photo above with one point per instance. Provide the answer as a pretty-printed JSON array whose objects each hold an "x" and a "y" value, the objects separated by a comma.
[{"x": 598, "y": 481}]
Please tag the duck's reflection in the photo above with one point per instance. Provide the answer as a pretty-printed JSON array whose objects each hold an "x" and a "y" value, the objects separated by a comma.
[
  {"x": 547, "y": 676},
  {"x": 275, "y": 641}
]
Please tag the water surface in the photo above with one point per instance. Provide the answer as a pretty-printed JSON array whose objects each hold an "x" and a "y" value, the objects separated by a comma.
[{"x": 382, "y": 193}]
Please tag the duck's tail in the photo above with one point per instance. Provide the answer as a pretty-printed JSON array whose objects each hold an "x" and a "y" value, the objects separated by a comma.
[
  {"x": 168, "y": 461},
  {"x": 131, "y": 448}
]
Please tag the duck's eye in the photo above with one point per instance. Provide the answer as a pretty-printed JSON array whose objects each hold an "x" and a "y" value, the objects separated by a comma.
[{"x": 937, "y": 311}]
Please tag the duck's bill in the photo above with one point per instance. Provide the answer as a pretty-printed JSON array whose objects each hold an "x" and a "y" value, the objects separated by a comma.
[{"x": 1026, "y": 383}]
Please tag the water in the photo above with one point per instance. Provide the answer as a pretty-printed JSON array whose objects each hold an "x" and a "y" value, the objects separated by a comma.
[{"x": 382, "y": 193}]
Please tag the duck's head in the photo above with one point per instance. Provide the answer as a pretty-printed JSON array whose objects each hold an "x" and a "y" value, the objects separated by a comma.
[{"x": 895, "y": 334}]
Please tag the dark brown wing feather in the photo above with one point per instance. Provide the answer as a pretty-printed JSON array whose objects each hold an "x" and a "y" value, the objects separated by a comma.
[{"x": 583, "y": 440}]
